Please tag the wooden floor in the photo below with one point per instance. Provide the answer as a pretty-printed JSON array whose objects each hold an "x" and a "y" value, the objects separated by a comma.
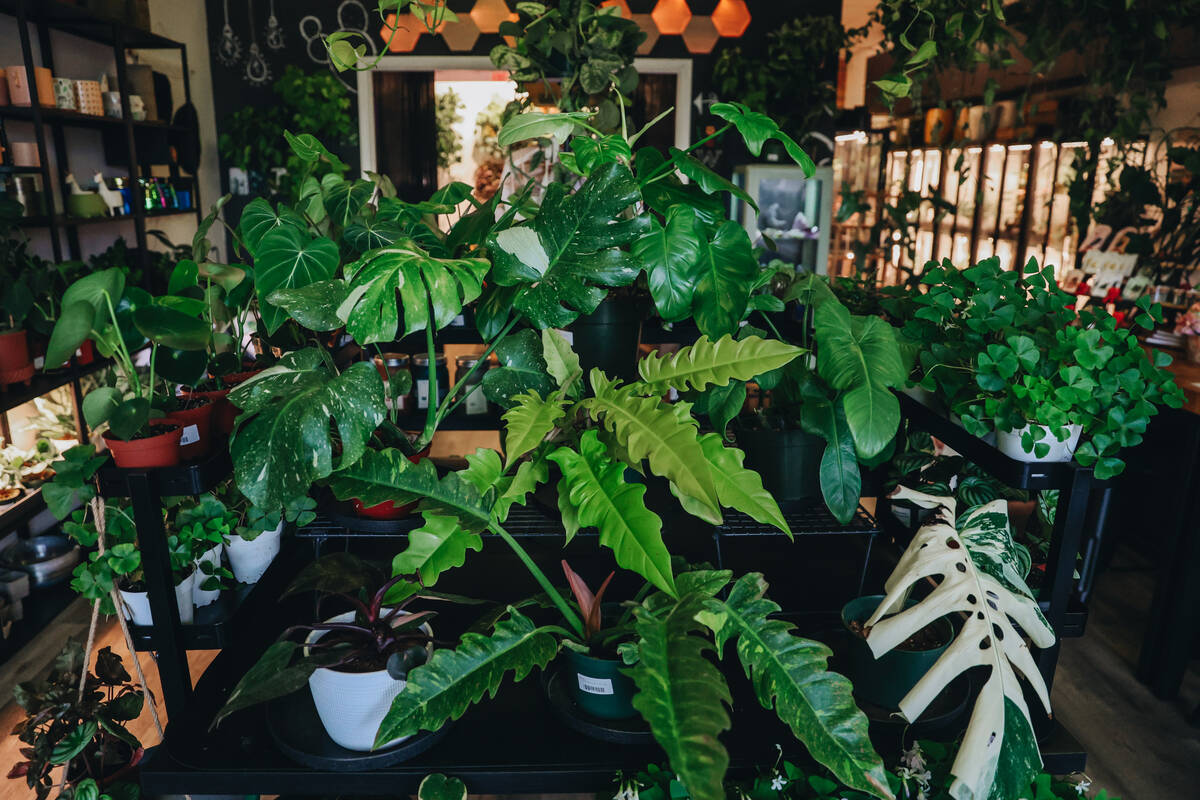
[{"x": 1139, "y": 748}]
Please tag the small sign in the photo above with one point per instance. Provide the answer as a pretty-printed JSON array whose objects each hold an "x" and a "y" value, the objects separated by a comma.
[
  {"x": 422, "y": 394},
  {"x": 191, "y": 435},
  {"x": 594, "y": 685}
]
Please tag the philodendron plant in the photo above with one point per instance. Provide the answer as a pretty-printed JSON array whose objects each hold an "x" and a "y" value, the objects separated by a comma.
[
  {"x": 982, "y": 578},
  {"x": 594, "y": 437}
]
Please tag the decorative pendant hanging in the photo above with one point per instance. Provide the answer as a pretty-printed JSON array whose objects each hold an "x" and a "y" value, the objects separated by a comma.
[
  {"x": 229, "y": 48},
  {"x": 274, "y": 32},
  {"x": 258, "y": 71}
]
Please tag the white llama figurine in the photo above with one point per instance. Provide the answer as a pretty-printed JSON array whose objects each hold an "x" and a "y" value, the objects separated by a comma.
[
  {"x": 72, "y": 185},
  {"x": 112, "y": 198}
]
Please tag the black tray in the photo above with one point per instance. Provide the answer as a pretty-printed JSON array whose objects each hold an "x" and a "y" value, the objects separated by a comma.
[
  {"x": 634, "y": 730},
  {"x": 297, "y": 730}
]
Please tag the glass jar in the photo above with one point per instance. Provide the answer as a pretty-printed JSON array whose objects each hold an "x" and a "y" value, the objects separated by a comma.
[
  {"x": 420, "y": 373},
  {"x": 389, "y": 365},
  {"x": 475, "y": 403}
]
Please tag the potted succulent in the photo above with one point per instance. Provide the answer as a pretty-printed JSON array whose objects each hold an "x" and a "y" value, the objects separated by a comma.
[
  {"x": 79, "y": 727},
  {"x": 354, "y": 663}
]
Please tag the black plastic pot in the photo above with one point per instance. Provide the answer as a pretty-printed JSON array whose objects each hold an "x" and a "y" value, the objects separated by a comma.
[
  {"x": 788, "y": 461},
  {"x": 608, "y": 338},
  {"x": 884, "y": 681}
]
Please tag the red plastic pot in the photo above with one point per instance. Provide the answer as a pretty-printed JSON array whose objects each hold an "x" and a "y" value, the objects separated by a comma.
[
  {"x": 389, "y": 509},
  {"x": 223, "y": 412},
  {"x": 159, "y": 450},
  {"x": 234, "y": 378},
  {"x": 87, "y": 353},
  {"x": 15, "y": 364},
  {"x": 196, "y": 425}
]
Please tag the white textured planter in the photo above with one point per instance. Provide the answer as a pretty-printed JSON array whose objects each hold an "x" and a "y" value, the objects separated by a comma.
[
  {"x": 922, "y": 396},
  {"x": 137, "y": 604},
  {"x": 1009, "y": 443},
  {"x": 250, "y": 559},
  {"x": 352, "y": 705},
  {"x": 204, "y": 597}
]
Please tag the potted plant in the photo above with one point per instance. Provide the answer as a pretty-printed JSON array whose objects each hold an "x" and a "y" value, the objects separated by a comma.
[
  {"x": 16, "y": 299},
  {"x": 596, "y": 673},
  {"x": 354, "y": 663},
  {"x": 119, "y": 320},
  {"x": 257, "y": 532},
  {"x": 884, "y": 681},
  {"x": 83, "y": 733},
  {"x": 205, "y": 528}
]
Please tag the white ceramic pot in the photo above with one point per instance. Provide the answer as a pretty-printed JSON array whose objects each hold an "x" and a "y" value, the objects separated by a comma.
[
  {"x": 250, "y": 559},
  {"x": 921, "y": 395},
  {"x": 1009, "y": 443},
  {"x": 137, "y": 604},
  {"x": 204, "y": 597},
  {"x": 352, "y": 705}
]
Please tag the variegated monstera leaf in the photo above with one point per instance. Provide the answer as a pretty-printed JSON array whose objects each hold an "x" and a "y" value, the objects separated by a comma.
[{"x": 981, "y": 578}]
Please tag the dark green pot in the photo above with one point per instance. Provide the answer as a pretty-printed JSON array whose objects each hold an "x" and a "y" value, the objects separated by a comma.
[
  {"x": 598, "y": 686},
  {"x": 885, "y": 681},
  {"x": 789, "y": 461},
  {"x": 608, "y": 338}
]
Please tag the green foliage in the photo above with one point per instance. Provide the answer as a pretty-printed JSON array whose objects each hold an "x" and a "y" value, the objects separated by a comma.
[
  {"x": 446, "y": 116},
  {"x": 709, "y": 362}
]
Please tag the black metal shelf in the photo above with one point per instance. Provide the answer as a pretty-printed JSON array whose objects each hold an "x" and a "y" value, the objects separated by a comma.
[
  {"x": 45, "y": 382},
  {"x": 458, "y": 421},
  {"x": 1017, "y": 474},
  {"x": 74, "y": 222},
  {"x": 804, "y": 519},
  {"x": 79, "y": 21},
  {"x": 41, "y": 607},
  {"x": 23, "y": 508},
  {"x": 64, "y": 116},
  {"x": 186, "y": 479}
]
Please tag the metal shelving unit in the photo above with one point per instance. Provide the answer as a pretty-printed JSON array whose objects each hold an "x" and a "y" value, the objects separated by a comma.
[{"x": 44, "y": 16}]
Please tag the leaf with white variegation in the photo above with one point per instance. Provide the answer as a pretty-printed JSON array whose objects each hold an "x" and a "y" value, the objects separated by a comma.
[
  {"x": 285, "y": 439},
  {"x": 528, "y": 422},
  {"x": 595, "y": 485},
  {"x": 999, "y": 754},
  {"x": 424, "y": 284},
  {"x": 445, "y": 687},
  {"x": 790, "y": 673},
  {"x": 561, "y": 361},
  {"x": 709, "y": 362},
  {"x": 682, "y": 695},
  {"x": 440, "y": 544},
  {"x": 649, "y": 429}
]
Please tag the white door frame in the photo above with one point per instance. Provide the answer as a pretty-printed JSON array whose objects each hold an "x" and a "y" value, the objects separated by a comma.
[{"x": 681, "y": 68}]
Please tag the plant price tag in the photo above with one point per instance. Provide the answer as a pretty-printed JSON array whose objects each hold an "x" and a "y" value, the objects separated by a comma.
[
  {"x": 191, "y": 435},
  {"x": 422, "y": 394},
  {"x": 594, "y": 685}
]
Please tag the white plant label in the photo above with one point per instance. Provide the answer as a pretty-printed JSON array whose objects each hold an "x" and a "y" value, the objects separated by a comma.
[
  {"x": 191, "y": 435},
  {"x": 594, "y": 685},
  {"x": 460, "y": 321},
  {"x": 39, "y": 362},
  {"x": 476, "y": 403},
  {"x": 423, "y": 394}
]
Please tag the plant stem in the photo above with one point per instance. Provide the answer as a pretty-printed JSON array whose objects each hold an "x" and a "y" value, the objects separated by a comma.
[
  {"x": 540, "y": 577},
  {"x": 666, "y": 167},
  {"x": 443, "y": 411},
  {"x": 431, "y": 407}
]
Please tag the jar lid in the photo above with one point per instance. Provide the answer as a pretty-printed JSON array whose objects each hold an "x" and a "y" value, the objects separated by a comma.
[
  {"x": 466, "y": 361},
  {"x": 422, "y": 359},
  {"x": 392, "y": 360}
]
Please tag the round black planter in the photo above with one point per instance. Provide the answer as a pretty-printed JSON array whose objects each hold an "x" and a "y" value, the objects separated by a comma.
[
  {"x": 788, "y": 461},
  {"x": 608, "y": 338}
]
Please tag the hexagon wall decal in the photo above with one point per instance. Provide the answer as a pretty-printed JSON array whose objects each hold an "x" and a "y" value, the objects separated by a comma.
[
  {"x": 408, "y": 30},
  {"x": 671, "y": 16},
  {"x": 621, "y": 4},
  {"x": 646, "y": 23},
  {"x": 700, "y": 35},
  {"x": 461, "y": 35},
  {"x": 731, "y": 17},
  {"x": 488, "y": 14}
]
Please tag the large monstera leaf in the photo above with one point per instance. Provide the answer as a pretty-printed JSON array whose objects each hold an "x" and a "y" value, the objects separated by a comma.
[
  {"x": 980, "y": 577},
  {"x": 288, "y": 258},
  {"x": 424, "y": 284},
  {"x": 859, "y": 357},
  {"x": 682, "y": 695},
  {"x": 284, "y": 439},
  {"x": 790, "y": 673},
  {"x": 594, "y": 485},
  {"x": 571, "y": 250},
  {"x": 445, "y": 687},
  {"x": 707, "y": 362},
  {"x": 646, "y": 428}
]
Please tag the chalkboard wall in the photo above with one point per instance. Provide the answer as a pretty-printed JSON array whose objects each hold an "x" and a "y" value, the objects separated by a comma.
[{"x": 284, "y": 32}]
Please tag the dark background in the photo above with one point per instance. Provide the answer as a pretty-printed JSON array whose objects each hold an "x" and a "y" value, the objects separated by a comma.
[{"x": 232, "y": 91}]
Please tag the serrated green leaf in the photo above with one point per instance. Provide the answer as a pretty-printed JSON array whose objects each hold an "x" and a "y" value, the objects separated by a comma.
[
  {"x": 445, "y": 687},
  {"x": 528, "y": 422},
  {"x": 740, "y": 488},
  {"x": 706, "y": 363},
  {"x": 595, "y": 485},
  {"x": 437, "y": 546},
  {"x": 561, "y": 361}
]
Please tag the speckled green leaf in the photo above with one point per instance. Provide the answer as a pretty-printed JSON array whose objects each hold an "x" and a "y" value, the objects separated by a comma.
[{"x": 522, "y": 369}]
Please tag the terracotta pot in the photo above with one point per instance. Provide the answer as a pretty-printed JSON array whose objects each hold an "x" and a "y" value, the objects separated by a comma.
[
  {"x": 86, "y": 353},
  {"x": 223, "y": 412},
  {"x": 389, "y": 509},
  {"x": 233, "y": 379},
  {"x": 196, "y": 424},
  {"x": 939, "y": 123},
  {"x": 160, "y": 450},
  {"x": 15, "y": 364}
]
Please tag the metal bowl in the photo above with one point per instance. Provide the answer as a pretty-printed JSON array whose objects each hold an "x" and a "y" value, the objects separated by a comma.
[{"x": 49, "y": 559}]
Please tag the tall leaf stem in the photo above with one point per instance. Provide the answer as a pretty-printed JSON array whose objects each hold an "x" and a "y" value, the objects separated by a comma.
[
  {"x": 559, "y": 602},
  {"x": 448, "y": 405},
  {"x": 431, "y": 419},
  {"x": 669, "y": 165}
]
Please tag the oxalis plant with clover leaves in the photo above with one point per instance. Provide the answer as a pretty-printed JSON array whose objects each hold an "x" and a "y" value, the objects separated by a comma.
[{"x": 1008, "y": 349}]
